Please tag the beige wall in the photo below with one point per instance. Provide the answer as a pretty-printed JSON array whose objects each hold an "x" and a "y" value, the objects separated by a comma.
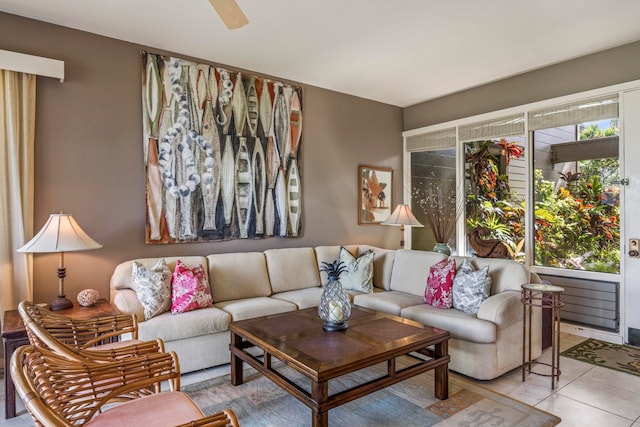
[
  {"x": 609, "y": 67},
  {"x": 89, "y": 157}
]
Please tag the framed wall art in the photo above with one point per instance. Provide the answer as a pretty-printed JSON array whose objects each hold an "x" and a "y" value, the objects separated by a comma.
[
  {"x": 221, "y": 151},
  {"x": 374, "y": 194}
]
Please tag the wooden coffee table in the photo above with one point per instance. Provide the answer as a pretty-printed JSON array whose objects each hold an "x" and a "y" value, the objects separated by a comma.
[{"x": 297, "y": 339}]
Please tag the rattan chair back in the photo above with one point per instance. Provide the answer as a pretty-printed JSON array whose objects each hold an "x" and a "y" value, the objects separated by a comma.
[
  {"x": 80, "y": 333},
  {"x": 68, "y": 337}
]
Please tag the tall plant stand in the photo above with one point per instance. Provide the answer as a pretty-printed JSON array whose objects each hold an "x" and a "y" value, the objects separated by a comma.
[{"x": 547, "y": 297}]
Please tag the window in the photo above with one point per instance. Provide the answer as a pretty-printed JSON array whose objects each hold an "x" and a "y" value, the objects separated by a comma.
[
  {"x": 577, "y": 200},
  {"x": 433, "y": 176},
  {"x": 569, "y": 177}
]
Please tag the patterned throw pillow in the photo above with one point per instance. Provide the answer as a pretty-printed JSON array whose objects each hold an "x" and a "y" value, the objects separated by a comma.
[
  {"x": 153, "y": 287},
  {"x": 439, "y": 283},
  {"x": 358, "y": 274},
  {"x": 471, "y": 287},
  {"x": 190, "y": 289}
]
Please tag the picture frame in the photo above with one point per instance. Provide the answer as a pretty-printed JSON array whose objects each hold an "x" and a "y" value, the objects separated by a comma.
[{"x": 375, "y": 194}]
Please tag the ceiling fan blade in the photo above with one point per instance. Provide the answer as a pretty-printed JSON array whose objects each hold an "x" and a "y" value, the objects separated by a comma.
[{"x": 230, "y": 13}]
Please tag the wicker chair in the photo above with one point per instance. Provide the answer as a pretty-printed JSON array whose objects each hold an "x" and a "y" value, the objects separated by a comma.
[
  {"x": 86, "y": 339},
  {"x": 60, "y": 392}
]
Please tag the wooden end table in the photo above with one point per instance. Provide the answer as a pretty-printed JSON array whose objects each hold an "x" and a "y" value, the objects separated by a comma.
[
  {"x": 14, "y": 335},
  {"x": 297, "y": 339}
]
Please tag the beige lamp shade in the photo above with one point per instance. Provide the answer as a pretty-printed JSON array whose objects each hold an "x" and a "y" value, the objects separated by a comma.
[
  {"x": 61, "y": 233},
  {"x": 402, "y": 216}
]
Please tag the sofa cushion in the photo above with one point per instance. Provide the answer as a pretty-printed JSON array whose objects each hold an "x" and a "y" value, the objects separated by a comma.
[
  {"x": 239, "y": 275},
  {"x": 358, "y": 272},
  {"x": 248, "y": 308},
  {"x": 382, "y": 265},
  {"x": 292, "y": 269},
  {"x": 411, "y": 269},
  {"x": 506, "y": 274},
  {"x": 391, "y": 302},
  {"x": 461, "y": 325},
  {"x": 168, "y": 327},
  {"x": 471, "y": 287},
  {"x": 303, "y": 298},
  {"x": 329, "y": 254},
  {"x": 153, "y": 287},
  {"x": 189, "y": 289},
  {"x": 439, "y": 284}
]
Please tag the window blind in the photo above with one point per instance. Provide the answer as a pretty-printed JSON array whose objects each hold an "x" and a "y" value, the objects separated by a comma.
[
  {"x": 493, "y": 128},
  {"x": 432, "y": 141},
  {"x": 583, "y": 111}
]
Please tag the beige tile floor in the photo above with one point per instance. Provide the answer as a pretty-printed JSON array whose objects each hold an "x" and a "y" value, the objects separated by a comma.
[{"x": 586, "y": 395}]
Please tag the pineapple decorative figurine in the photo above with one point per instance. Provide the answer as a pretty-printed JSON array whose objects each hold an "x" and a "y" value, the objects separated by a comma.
[{"x": 335, "y": 307}]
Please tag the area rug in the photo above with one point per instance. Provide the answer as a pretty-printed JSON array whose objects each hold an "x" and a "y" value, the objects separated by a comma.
[
  {"x": 624, "y": 358},
  {"x": 261, "y": 403}
]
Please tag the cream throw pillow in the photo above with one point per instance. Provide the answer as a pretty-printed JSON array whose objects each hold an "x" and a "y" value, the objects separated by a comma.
[
  {"x": 153, "y": 287},
  {"x": 471, "y": 287},
  {"x": 358, "y": 273}
]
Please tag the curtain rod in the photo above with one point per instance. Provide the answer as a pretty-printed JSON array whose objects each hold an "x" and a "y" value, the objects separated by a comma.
[{"x": 31, "y": 64}]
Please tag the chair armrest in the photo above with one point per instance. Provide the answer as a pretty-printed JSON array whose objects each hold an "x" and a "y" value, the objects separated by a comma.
[
  {"x": 503, "y": 309},
  {"x": 120, "y": 352},
  {"x": 225, "y": 418}
]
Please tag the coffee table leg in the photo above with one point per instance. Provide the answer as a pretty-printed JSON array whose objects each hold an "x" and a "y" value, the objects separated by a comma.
[
  {"x": 236, "y": 362},
  {"x": 319, "y": 394},
  {"x": 442, "y": 372}
]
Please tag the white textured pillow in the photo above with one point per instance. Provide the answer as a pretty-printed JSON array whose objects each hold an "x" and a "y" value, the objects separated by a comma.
[
  {"x": 470, "y": 287},
  {"x": 358, "y": 273},
  {"x": 153, "y": 287}
]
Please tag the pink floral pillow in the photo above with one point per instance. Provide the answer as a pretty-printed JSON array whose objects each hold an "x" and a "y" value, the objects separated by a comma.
[
  {"x": 190, "y": 289},
  {"x": 439, "y": 284}
]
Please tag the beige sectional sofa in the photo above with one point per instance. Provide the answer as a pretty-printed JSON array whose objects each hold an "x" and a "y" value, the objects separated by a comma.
[{"x": 246, "y": 285}]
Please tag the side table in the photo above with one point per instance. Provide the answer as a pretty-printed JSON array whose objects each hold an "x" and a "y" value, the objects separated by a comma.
[
  {"x": 547, "y": 297},
  {"x": 14, "y": 335}
]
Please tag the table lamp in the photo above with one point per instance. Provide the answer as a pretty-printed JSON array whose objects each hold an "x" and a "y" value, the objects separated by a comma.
[
  {"x": 402, "y": 216},
  {"x": 60, "y": 234}
]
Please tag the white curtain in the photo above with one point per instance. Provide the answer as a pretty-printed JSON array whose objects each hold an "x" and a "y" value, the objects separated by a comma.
[{"x": 17, "y": 134}]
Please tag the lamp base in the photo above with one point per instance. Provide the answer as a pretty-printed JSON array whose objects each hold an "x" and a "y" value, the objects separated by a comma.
[
  {"x": 60, "y": 303},
  {"x": 335, "y": 326}
]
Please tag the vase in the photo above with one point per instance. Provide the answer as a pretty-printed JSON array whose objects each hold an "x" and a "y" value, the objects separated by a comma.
[
  {"x": 335, "y": 307},
  {"x": 443, "y": 248}
]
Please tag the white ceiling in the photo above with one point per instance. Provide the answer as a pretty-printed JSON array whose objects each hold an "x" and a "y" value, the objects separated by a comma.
[{"x": 399, "y": 52}]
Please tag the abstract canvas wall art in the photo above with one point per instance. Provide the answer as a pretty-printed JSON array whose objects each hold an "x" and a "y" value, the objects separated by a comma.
[{"x": 221, "y": 153}]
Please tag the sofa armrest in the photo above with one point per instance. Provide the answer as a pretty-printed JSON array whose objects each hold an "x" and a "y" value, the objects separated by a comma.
[
  {"x": 503, "y": 309},
  {"x": 126, "y": 302}
]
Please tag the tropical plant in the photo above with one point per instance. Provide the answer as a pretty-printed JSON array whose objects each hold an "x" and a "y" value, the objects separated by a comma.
[{"x": 490, "y": 203}]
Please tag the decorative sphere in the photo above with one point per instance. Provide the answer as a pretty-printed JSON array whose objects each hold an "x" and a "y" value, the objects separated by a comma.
[{"x": 88, "y": 297}]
